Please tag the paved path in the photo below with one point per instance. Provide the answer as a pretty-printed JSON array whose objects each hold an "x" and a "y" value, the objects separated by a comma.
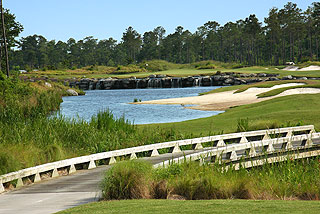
[{"x": 63, "y": 192}]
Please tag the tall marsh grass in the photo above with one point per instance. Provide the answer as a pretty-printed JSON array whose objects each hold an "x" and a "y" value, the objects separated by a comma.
[
  {"x": 29, "y": 137},
  {"x": 288, "y": 180},
  {"x": 127, "y": 180}
]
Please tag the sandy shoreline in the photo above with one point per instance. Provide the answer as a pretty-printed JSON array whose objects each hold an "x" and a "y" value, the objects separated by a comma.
[{"x": 224, "y": 100}]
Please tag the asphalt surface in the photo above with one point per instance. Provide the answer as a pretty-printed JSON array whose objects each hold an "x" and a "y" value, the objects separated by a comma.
[{"x": 64, "y": 192}]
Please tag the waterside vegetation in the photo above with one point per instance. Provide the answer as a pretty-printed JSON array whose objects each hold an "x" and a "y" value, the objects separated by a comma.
[
  {"x": 289, "y": 180},
  {"x": 28, "y": 137}
]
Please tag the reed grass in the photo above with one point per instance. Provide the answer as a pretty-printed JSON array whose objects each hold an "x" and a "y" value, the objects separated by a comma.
[
  {"x": 289, "y": 180},
  {"x": 28, "y": 137}
]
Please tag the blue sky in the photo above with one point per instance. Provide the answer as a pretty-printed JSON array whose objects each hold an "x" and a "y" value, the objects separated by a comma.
[{"x": 62, "y": 19}]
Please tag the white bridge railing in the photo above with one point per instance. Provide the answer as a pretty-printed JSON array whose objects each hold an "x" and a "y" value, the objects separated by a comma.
[
  {"x": 241, "y": 141},
  {"x": 293, "y": 146}
]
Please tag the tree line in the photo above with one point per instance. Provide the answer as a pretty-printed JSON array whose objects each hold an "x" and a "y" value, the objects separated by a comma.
[{"x": 287, "y": 34}]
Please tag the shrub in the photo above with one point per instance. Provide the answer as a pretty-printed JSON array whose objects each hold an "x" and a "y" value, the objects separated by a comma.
[{"x": 127, "y": 180}]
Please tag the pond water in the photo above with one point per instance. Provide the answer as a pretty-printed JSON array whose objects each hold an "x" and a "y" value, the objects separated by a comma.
[{"x": 118, "y": 102}]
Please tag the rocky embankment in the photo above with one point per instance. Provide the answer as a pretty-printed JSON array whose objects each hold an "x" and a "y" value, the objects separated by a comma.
[{"x": 162, "y": 81}]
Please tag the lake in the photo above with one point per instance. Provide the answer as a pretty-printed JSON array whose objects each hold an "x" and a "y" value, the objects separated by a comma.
[{"x": 118, "y": 101}]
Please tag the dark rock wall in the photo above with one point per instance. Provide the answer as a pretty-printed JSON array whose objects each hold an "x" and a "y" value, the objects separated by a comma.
[{"x": 161, "y": 81}]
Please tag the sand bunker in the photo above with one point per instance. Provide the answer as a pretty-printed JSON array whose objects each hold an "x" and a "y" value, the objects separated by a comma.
[
  {"x": 225, "y": 100},
  {"x": 291, "y": 68},
  {"x": 311, "y": 68},
  {"x": 295, "y": 68}
]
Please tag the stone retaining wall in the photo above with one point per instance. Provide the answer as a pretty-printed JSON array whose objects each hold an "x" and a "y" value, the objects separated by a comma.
[{"x": 162, "y": 81}]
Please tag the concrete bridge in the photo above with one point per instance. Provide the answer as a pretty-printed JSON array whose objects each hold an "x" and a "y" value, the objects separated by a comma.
[{"x": 63, "y": 184}]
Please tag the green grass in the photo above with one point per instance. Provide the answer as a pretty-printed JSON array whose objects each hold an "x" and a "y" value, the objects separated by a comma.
[
  {"x": 101, "y": 74},
  {"x": 178, "y": 72},
  {"x": 282, "y": 111},
  {"x": 162, "y": 67},
  {"x": 192, "y": 207}
]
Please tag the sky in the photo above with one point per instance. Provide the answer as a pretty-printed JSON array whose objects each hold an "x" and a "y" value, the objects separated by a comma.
[{"x": 102, "y": 19}]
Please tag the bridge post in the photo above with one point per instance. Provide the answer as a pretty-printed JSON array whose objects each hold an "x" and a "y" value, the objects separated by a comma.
[
  {"x": 133, "y": 156},
  {"x": 154, "y": 153},
  {"x": 19, "y": 183},
  {"x": 72, "y": 169},
  {"x": 289, "y": 134},
  {"x": 175, "y": 149},
  {"x": 220, "y": 143},
  {"x": 92, "y": 165},
  {"x": 217, "y": 158},
  {"x": 111, "y": 161},
  {"x": 243, "y": 140},
  {"x": 197, "y": 146},
  {"x": 55, "y": 173},
  {"x": 37, "y": 178},
  {"x": 266, "y": 137},
  {"x": 309, "y": 142},
  {"x": 270, "y": 147},
  {"x": 312, "y": 131},
  {"x": 232, "y": 155},
  {"x": 1, "y": 187},
  {"x": 288, "y": 145},
  {"x": 251, "y": 151}
]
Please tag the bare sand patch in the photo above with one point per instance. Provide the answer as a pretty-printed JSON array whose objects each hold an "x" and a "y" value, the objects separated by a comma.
[{"x": 225, "y": 100}]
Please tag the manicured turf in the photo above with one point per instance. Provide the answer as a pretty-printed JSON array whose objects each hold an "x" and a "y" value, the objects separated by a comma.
[
  {"x": 193, "y": 207},
  {"x": 99, "y": 74},
  {"x": 282, "y": 111},
  {"x": 173, "y": 72}
]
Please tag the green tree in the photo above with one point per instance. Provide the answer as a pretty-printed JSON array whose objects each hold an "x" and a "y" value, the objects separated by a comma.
[{"x": 132, "y": 43}]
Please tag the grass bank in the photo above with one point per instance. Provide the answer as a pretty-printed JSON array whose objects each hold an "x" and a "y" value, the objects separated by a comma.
[
  {"x": 191, "y": 207},
  {"x": 28, "y": 137},
  {"x": 283, "y": 111}
]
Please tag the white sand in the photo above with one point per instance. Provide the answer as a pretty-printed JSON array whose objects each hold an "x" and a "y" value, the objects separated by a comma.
[
  {"x": 295, "y": 68},
  {"x": 224, "y": 100},
  {"x": 298, "y": 91},
  {"x": 291, "y": 68},
  {"x": 311, "y": 68}
]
